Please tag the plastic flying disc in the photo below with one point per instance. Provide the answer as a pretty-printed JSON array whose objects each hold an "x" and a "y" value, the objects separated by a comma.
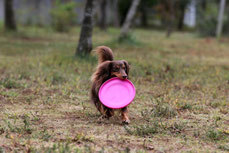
[{"x": 116, "y": 93}]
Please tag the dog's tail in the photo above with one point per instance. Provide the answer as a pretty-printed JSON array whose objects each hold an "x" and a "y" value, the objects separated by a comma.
[{"x": 104, "y": 53}]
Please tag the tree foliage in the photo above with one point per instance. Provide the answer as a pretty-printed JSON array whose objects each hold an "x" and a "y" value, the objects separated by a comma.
[{"x": 63, "y": 16}]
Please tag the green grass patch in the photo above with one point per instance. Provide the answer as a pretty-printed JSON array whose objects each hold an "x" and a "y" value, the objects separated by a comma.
[
  {"x": 10, "y": 83},
  {"x": 181, "y": 102}
]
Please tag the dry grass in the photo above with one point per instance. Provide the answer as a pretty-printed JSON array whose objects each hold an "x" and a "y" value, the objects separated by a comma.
[{"x": 182, "y": 101}]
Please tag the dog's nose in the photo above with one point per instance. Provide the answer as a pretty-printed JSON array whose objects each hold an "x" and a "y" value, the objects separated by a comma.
[{"x": 124, "y": 77}]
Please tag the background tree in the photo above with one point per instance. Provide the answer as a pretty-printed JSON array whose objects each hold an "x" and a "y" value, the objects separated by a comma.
[
  {"x": 166, "y": 9},
  {"x": 143, "y": 10},
  {"x": 129, "y": 18},
  {"x": 123, "y": 8},
  {"x": 181, "y": 6},
  {"x": 102, "y": 23},
  {"x": 10, "y": 23},
  {"x": 203, "y": 4},
  {"x": 226, "y": 23},
  {"x": 220, "y": 19},
  {"x": 85, "y": 41},
  {"x": 170, "y": 14},
  {"x": 115, "y": 13},
  {"x": 206, "y": 18},
  {"x": 63, "y": 15}
]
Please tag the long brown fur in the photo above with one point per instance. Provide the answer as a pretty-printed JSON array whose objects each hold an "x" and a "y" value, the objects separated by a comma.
[
  {"x": 104, "y": 53},
  {"x": 108, "y": 68}
]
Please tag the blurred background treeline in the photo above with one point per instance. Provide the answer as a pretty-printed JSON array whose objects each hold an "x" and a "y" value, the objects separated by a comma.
[{"x": 175, "y": 15}]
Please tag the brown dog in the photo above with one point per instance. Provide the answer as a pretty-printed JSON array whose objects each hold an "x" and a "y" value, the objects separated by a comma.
[{"x": 108, "y": 68}]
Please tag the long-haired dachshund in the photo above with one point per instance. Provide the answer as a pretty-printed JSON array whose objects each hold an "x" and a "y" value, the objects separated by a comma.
[{"x": 108, "y": 68}]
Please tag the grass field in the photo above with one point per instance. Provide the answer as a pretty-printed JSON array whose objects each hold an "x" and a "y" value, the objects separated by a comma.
[{"x": 181, "y": 105}]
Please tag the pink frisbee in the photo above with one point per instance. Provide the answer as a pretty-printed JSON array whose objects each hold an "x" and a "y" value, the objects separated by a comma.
[{"x": 116, "y": 93}]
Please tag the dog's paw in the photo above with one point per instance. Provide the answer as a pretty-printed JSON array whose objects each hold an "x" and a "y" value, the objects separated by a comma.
[
  {"x": 101, "y": 119},
  {"x": 127, "y": 121}
]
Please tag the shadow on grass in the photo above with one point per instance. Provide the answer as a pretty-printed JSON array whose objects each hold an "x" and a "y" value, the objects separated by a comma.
[
  {"x": 129, "y": 41},
  {"x": 88, "y": 58}
]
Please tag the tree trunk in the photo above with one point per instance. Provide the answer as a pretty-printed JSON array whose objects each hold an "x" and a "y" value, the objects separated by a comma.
[
  {"x": 85, "y": 41},
  {"x": 144, "y": 20},
  {"x": 103, "y": 5},
  {"x": 115, "y": 13},
  {"x": 129, "y": 18},
  {"x": 171, "y": 17},
  {"x": 10, "y": 23},
  {"x": 204, "y": 5},
  {"x": 220, "y": 19},
  {"x": 181, "y": 19},
  {"x": 37, "y": 11}
]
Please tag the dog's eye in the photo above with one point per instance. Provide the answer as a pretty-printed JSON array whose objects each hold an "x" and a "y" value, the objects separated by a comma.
[{"x": 116, "y": 69}]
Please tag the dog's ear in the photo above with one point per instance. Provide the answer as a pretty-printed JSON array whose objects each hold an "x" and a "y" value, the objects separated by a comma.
[
  {"x": 102, "y": 73},
  {"x": 105, "y": 68},
  {"x": 127, "y": 66}
]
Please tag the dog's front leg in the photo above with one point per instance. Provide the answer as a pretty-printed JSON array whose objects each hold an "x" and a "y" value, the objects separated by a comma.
[
  {"x": 124, "y": 114},
  {"x": 108, "y": 112}
]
